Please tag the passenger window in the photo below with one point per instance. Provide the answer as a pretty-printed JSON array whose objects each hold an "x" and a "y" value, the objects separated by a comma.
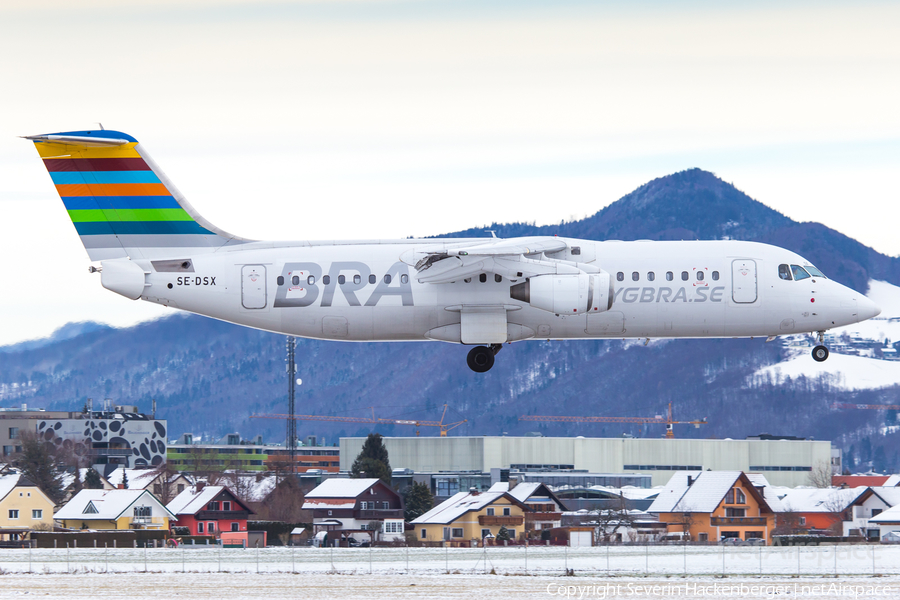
[
  {"x": 670, "y": 276},
  {"x": 498, "y": 278},
  {"x": 295, "y": 280},
  {"x": 799, "y": 272},
  {"x": 357, "y": 279},
  {"x": 467, "y": 280},
  {"x": 651, "y": 276},
  {"x": 620, "y": 276},
  {"x": 341, "y": 279},
  {"x": 311, "y": 280},
  {"x": 387, "y": 279},
  {"x": 576, "y": 250},
  {"x": 635, "y": 276},
  {"x": 326, "y": 279},
  {"x": 372, "y": 278},
  {"x": 482, "y": 278},
  {"x": 814, "y": 271},
  {"x": 715, "y": 275},
  {"x": 280, "y": 280},
  {"x": 699, "y": 275},
  {"x": 404, "y": 278},
  {"x": 784, "y": 272},
  {"x": 684, "y": 276}
]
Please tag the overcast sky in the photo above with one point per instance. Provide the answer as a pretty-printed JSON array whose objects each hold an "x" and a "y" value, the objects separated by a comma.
[{"x": 356, "y": 118}]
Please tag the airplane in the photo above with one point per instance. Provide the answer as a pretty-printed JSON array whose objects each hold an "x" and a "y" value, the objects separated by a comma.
[{"x": 482, "y": 292}]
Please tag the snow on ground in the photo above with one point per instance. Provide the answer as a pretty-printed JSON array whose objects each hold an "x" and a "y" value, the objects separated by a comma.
[
  {"x": 139, "y": 586},
  {"x": 538, "y": 572},
  {"x": 846, "y": 371}
]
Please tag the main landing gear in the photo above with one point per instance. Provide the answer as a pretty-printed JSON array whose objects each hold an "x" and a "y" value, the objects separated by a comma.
[
  {"x": 820, "y": 352},
  {"x": 481, "y": 358}
]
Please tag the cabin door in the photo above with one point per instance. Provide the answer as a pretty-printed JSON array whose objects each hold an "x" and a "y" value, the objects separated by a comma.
[
  {"x": 253, "y": 286},
  {"x": 743, "y": 281}
]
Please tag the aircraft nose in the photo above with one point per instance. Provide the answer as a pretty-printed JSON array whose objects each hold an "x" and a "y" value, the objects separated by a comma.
[{"x": 867, "y": 309}]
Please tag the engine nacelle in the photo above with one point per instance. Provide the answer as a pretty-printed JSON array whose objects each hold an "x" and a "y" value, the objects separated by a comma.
[{"x": 567, "y": 294}]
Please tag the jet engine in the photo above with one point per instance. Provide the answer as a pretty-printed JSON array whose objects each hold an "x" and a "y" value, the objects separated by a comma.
[{"x": 566, "y": 294}]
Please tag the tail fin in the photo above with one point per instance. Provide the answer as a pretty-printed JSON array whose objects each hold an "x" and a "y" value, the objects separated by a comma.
[{"x": 120, "y": 202}]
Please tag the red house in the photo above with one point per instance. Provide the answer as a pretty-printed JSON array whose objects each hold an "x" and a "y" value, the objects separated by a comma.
[{"x": 209, "y": 510}]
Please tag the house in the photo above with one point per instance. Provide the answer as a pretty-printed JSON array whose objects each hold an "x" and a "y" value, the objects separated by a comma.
[
  {"x": 23, "y": 506},
  {"x": 114, "y": 509},
  {"x": 208, "y": 510},
  {"x": 817, "y": 510},
  {"x": 544, "y": 507},
  {"x": 712, "y": 505},
  {"x": 865, "y": 480},
  {"x": 367, "y": 507},
  {"x": 886, "y": 522},
  {"x": 872, "y": 502},
  {"x": 473, "y": 516}
]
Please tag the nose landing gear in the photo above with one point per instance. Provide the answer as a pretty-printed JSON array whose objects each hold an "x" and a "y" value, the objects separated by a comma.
[
  {"x": 481, "y": 358},
  {"x": 820, "y": 352}
]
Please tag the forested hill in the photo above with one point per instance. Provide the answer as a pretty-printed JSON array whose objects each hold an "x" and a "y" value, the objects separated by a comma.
[{"x": 208, "y": 377}]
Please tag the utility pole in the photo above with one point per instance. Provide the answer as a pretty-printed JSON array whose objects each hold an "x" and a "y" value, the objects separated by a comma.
[{"x": 291, "y": 422}]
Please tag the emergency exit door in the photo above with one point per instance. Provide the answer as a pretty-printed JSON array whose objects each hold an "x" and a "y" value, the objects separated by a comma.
[
  {"x": 253, "y": 286},
  {"x": 743, "y": 281}
]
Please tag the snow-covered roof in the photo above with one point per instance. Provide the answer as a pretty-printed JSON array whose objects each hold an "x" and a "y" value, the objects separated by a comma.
[
  {"x": 328, "y": 503},
  {"x": 192, "y": 500},
  {"x": 890, "y": 495},
  {"x": 818, "y": 500},
  {"x": 703, "y": 495},
  {"x": 7, "y": 483},
  {"x": 769, "y": 494},
  {"x": 458, "y": 505},
  {"x": 891, "y": 515},
  {"x": 138, "y": 479},
  {"x": 892, "y": 481},
  {"x": 109, "y": 504},
  {"x": 520, "y": 492},
  {"x": 341, "y": 488}
]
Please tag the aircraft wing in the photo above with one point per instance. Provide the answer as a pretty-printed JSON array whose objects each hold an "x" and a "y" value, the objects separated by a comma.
[{"x": 514, "y": 258}]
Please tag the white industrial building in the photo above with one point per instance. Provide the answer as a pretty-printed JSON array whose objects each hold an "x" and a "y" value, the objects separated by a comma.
[{"x": 783, "y": 462}]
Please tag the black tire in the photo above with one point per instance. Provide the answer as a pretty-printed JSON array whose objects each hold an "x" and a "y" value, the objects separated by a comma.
[
  {"x": 820, "y": 353},
  {"x": 480, "y": 359}
]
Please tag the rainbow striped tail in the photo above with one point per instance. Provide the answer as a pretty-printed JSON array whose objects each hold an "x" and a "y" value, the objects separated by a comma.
[{"x": 121, "y": 203}]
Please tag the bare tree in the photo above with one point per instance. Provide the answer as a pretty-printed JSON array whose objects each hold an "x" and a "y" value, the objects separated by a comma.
[
  {"x": 161, "y": 478},
  {"x": 820, "y": 475},
  {"x": 610, "y": 520},
  {"x": 787, "y": 522},
  {"x": 284, "y": 503}
]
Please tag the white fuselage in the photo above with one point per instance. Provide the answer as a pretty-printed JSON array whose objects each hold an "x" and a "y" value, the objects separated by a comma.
[{"x": 339, "y": 291}]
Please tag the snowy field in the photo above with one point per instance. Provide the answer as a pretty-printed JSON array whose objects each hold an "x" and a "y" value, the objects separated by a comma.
[{"x": 450, "y": 573}]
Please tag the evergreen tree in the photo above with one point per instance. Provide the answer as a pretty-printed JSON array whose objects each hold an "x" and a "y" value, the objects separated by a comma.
[
  {"x": 372, "y": 460},
  {"x": 418, "y": 501},
  {"x": 503, "y": 534},
  {"x": 38, "y": 465},
  {"x": 124, "y": 478},
  {"x": 92, "y": 480}
]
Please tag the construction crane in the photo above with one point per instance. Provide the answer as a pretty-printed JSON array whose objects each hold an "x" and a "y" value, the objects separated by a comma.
[
  {"x": 667, "y": 420},
  {"x": 445, "y": 427},
  {"x": 867, "y": 406}
]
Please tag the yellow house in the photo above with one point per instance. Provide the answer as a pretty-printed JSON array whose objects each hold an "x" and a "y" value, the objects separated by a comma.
[
  {"x": 23, "y": 506},
  {"x": 114, "y": 509},
  {"x": 472, "y": 516}
]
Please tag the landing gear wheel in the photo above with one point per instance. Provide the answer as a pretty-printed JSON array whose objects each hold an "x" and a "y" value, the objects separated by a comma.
[
  {"x": 480, "y": 359},
  {"x": 820, "y": 353}
]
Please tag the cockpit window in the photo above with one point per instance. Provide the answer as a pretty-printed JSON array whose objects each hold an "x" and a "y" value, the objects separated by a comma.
[
  {"x": 814, "y": 271},
  {"x": 799, "y": 272},
  {"x": 784, "y": 272}
]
